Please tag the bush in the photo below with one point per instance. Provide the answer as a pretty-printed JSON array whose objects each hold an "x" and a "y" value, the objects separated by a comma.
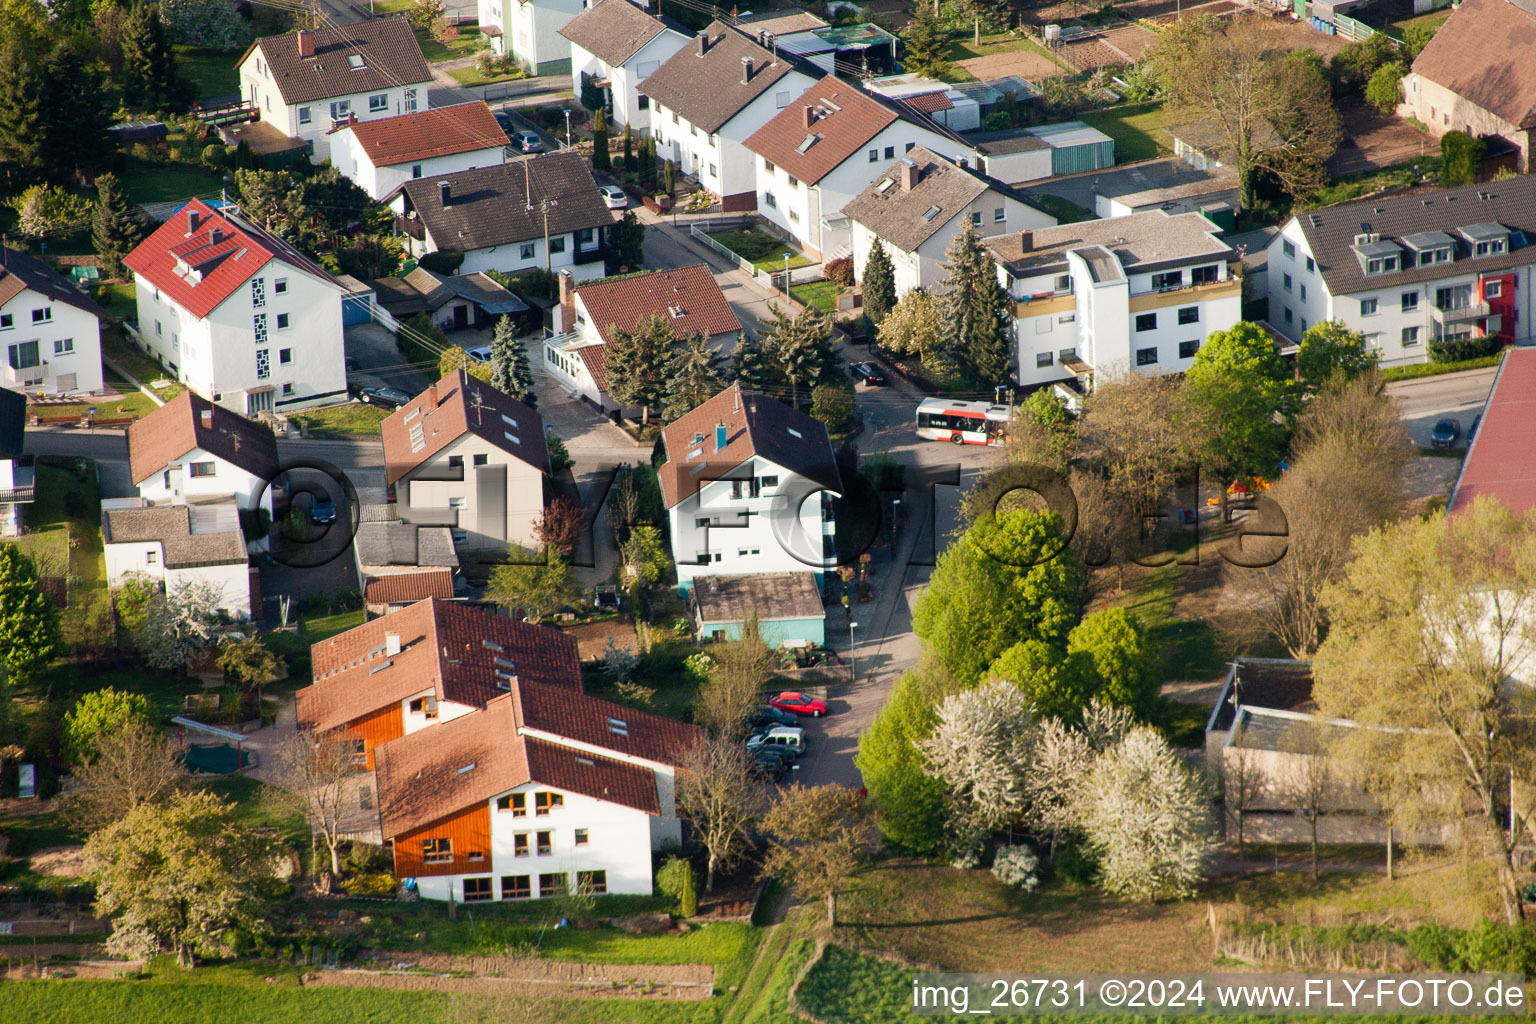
[
  {"x": 215, "y": 155},
  {"x": 996, "y": 121},
  {"x": 1449, "y": 350},
  {"x": 833, "y": 405},
  {"x": 1460, "y": 157},
  {"x": 380, "y": 884},
  {"x": 1077, "y": 865},
  {"x": 688, "y": 899},
  {"x": 839, "y": 271},
  {"x": 1384, "y": 90},
  {"x": 365, "y": 858},
  {"x": 670, "y": 878},
  {"x": 1017, "y": 866}
]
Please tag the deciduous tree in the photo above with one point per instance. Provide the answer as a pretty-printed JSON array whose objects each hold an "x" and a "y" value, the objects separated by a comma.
[
  {"x": 738, "y": 673},
  {"x": 1329, "y": 348},
  {"x": 1241, "y": 393},
  {"x": 719, "y": 797},
  {"x": 317, "y": 777},
  {"x": 560, "y": 525},
  {"x": 818, "y": 837},
  {"x": 1136, "y": 430},
  {"x": 251, "y": 664},
  {"x": 456, "y": 358},
  {"x": 1384, "y": 90},
  {"x": 533, "y": 583},
  {"x": 916, "y": 327},
  {"x": 179, "y": 624},
  {"x": 127, "y": 766},
  {"x": 100, "y": 713}
]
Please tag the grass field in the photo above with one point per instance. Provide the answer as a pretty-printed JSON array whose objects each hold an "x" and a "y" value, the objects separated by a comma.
[
  {"x": 765, "y": 251},
  {"x": 1137, "y": 131},
  {"x": 352, "y": 418},
  {"x": 468, "y": 43},
  {"x": 211, "y": 72},
  {"x": 144, "y": 369},
  {"x": 118, "y": 299},
  {"x": 146, "y": 182},
  {"x": 821, "y": 294},
  {"x": 1344, "y": 190},
  {"x": 471, "y": 77},
  {"x": 1432, "y": 20}
]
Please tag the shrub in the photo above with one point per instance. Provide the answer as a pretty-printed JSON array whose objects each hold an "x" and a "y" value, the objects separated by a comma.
[
  {"x": 379, "y": 884},
  {"x": 1458, "y": 350},
  {"x": 669, "y": 880},
  {"x": 1384, "y": 90},
  {"x": 698, "y": 664},
  {"x": 1077, "y": 865},
  {"x": 996, "y": 121},
  {"x": 365, "y": 858},
  {"x": 833, "y": 405},
  {"x": 688, "y": 899},
  {"x": 215, "y": 155},
  {"x": 1017, "y": 866},
  {"x": 839, "y": 271},
  {"x": 441, "y": 261}
]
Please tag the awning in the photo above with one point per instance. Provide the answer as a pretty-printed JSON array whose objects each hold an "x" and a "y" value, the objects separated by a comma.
[
  {"x": 1074, "y": 365},
  {"x": 493, "y": 31}
]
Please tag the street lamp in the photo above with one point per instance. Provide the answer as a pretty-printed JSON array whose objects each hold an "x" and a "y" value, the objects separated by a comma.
[
  {"x": 786, "y": 275},
  {"x": 853, "y": 664},
  {"x": 567, "y": 128}
]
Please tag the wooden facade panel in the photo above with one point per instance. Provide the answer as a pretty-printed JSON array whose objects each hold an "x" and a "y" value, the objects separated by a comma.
[
  {"x": 376, "y": 729},
  {"x": 469, "y": 832}
]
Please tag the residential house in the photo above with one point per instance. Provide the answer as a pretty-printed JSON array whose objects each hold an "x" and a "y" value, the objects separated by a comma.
[
  {"x": 617, "y": 45},
  {"x": 940, "y": 102},
  {"x": 17, "y": 470},
  {"x": 539, "y": 211},
  {"x": 1476, "y": 76},
  {"x": 1139, "y": 292},
  {"x": 1172, "y": 186},
  {"x": 222, "y": 304},
  {"x": 190, "y": 450},
  {"x": 1500, "y": 459},
  {"x": 51, "y": 330},
  {"x": 823, "y": 149},
  {"x": 856, "y": 50},
  {"x": 453, "y": 301},
  {"x": 384, "y": 154},
  {"x": 400, "y": 563},
  {"x": 787, "y": 606},
  {"x": 470, "y": 456},
  {"x": 302, "y": 83},
  {"x": 687, "y": 298},
  {"x": 917, "y": 206},
  {"x": 181, "y": 545},
  {"x": 529, "y": 31},
  {"x": 710, "y": 97},
  {"x": 749, "y": 484},
  {"x": 1411, "y": 270}
]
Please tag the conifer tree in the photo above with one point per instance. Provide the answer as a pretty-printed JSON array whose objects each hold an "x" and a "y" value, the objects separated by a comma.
[
  {"x": 801, "y": 348},
  {"x": 22, "y": 128},
  {"x": 150, "y": 81},
  {"x": 629, "y": 149},
  {"x": 693, "y": 376},
  {"x": 975, "y": 310},
  {"x": 751, "y": 365},
  {"x": 600, "y": 159},
  {"x": 115, "y": 227},
  {"x": 879, "y": 284},
  {"x": 511, "y": 372},
  {"x": 927, "y": 45},
  {"x": 637, "y": 363},
  {"x": 75, "y": 115}
]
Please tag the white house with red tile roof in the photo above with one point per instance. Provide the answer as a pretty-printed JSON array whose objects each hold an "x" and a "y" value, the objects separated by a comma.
[
  {"x": 192, "y": 450},
  {"x": 687, "y": 298},
  {"x": 237, "y": 314},
  {"x": 380, "y": 156},
  {"x": 50, "y": 330}
]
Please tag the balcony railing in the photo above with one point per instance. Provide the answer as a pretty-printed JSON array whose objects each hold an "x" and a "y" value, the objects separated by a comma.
[{"x": 1460, "y": 314}]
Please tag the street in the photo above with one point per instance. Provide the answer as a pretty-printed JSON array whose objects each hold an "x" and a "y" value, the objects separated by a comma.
[{"x": 1428, "y": 399}]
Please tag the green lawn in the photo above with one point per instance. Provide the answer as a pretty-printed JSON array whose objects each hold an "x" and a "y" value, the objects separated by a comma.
[
  {"x": 211, "y": 72},
  {"x": 390, "y": 6},
  {"x": 765, "y": 251},
  {"x": 146, "y": 182},
  {"x": 1344, "y": 190},
  {"x": 1064, "y": 210},
  {"x": 352, "y": 418},
  {"x": 132, "y": 402},
  {"x": 468, "y": 43},
  {"x": 471, "y": 76},
  {"x": 821, "y": 294},
  {"x": 134, "y": 362},
  {"x": 1137, "y": 131},
  {"x": 119, "y": 299},
  {"x": 661, "y": 670},
  {"x": 1190, "y": 648},
  {"x": 313, "y": 627},
  {"x": 1432, "y": 20}
]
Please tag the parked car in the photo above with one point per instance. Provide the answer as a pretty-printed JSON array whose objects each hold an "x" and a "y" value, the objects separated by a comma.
[
  {"x": 866, "y": 374},
  {"x": 480, "y": 353},
  {"x": 799, "y": 703},
  {"x": 322, "y": 511},
  {"x": 1445, "y": 434},
  {"x": 783, "y": 737},
  {"x": 392, "y": 397},
  {"x": 768, "y": 766},
  {"x": 528, "y": 142},
  {"x": 615, "y": 197},
  {"x": 770, "y": 715}
]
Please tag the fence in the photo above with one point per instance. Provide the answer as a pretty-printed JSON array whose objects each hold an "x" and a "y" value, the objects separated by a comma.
[
  {"x": 742, "y": 263},
  {"x": 1352, "y": 29}
]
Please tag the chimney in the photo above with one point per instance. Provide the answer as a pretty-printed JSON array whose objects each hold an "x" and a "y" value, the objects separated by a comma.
[
  {"x": 746, "y": 70},
  {"x": 306, "y": 43},
  {"x": 445, "y": 192},
  {"x": 703, "y": 41},
  {"x": 567, "y": 300},
  {"x": 808, "y": 115},
  {"x": 216, "y": 235},
  {"x": 432, "y": 404},
  {"x": 1026, "y": 241},
  {"x": 909, "y": 174},
  {"x": 191, "y": 223},
  {"x": 205, "y": 417},
  {"x": 391, "y": 644}
]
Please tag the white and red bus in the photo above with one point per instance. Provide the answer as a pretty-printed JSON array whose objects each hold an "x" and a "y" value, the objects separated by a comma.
[{"x": 940, "y": 419}]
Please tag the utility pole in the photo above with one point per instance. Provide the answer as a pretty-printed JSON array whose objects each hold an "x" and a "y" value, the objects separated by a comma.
[{"x": 545, "y": 204}]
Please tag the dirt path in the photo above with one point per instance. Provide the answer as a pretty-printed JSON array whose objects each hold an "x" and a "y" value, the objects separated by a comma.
[{"x": 617, "y": 989}]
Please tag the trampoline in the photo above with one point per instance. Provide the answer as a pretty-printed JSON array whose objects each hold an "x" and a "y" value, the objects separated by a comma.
[{"x": 223, "y": 759}]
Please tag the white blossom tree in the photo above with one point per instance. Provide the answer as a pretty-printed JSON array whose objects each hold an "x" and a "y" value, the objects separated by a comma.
[
  {"x": 179, "y": 624},
  {"x": 1062, "y": 758},
  {"x": 1145, "y": 815}
]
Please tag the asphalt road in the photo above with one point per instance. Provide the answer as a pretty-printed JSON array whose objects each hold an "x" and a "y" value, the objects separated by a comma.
[{"x": 1429, "y": 399}]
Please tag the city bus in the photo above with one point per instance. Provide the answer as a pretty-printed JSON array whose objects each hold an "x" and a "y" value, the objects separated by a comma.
[{"x": 940, "y": 419}]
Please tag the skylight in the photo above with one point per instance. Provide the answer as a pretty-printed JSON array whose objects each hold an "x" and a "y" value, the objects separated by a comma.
[
  {"x": 885, "y": 184},
  {"x": 355, "y": 60},
  {"x": 807, "y": 143},
  {"x": 504, "y": 663},
  {"x": 586, "y": 761},
  {"x": 492, "y": 645},
  {"x": 465, "y": 770},
  {"x": 795, "y": 433},
  {"x": 509, "y": 421},
  {"x": 510, "y": 436},
  {"x": 930, "y": 213}
]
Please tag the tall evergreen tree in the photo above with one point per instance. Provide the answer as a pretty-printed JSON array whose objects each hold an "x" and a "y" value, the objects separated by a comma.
[
  {"x": 879, "y": 283},
  {"x": 751, "y": 365},
  {"x": 801, "y": 348},
  {"x": 975, "y": 310},
  {"x": 600, "y": 158},
  {"x": 115, "y": 226},
  {"x": 927, "y": 45},
  {"x": 693, "y": 376},
  {"x": 75, "y": 116},
  {"x": 637, "y": 363},
  {"x": 150, "y": 81},
  {"x": 510, "y": 369},
  {"x": 22, "y": 128},
  {"x": 629, "y": 149}
]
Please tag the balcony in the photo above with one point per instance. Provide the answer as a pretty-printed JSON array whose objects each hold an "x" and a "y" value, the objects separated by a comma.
[{"x": 1460, "y": 314}]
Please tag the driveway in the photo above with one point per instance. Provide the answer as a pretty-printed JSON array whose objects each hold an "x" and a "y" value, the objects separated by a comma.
[{"x": 380, "y": 361}]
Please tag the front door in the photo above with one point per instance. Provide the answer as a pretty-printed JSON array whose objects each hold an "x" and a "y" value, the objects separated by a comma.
[
  {"x": 460, "y": 317},
  {"x": 259, "y": 402}
]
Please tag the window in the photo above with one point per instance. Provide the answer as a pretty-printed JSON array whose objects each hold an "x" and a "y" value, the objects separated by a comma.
[
  {"x": 768, "y": 165},
  {"x": 24, "y": 356},
  {"x": 1410, "y": 336},
  {"x": 581, "y": 837},
  {"x": 424, "y": 706},
  {"x": 1303, "y": 291},
  {"x": 340, "y": 109},
  {"x": 1187, "y": 349},
  {"x": 477, "y": 890},
  {"x": 1203, "y": 275},
  {"x": 890, "y": 152},
  {"x": 482, "y": 459},
  {"x": 282, "y": 321},
  {"x": 455, "y": 462},
  {"x": 1367, "y": 307},
  {"x": 263, "y": 363},
  {"x": 1064, "y": 283},
  {"x": 1288, "y": 247},
  {"x": 1189, "y": 315},
  {"x": 999, "y": 215},
  {"x": 1410, "y": 301},
  {"x": 781, "y": 99},
  {"x": 258, "y": 292},
  {"x": 557, "y": 244},
  {"x": 1146, "y": 356},
  {"x": 436, "y": 851},
  {"x": 304, "y": 115},
  {"x": 287, "y": 390},
  {"x": 1171, "y": 279},
  {"x": 543, "y": 801},
  {"x": 204, "y": 469},
  {"x": 259, "y": 328},
  {"x": 415, "y": 170},
  {"x": 1044, "y": 359},
  {"x": 7, "y": 321},
  {"x": 520, "y": 844},
  {"x": 1311, "y": 266},
  {"x": 794, "y": 216},
  {"x": 64, "y": 346},
  {"x": 874, "y": 155},
  {"x": 769, "y": 200},
  {"x": 377, "y": 102},
  {"x": 515, "y": 887},
  {"x": 151, "y": 557},
  {"x": 794, "y": 182},
  {"x": 157, "y": 329},
  {"x": 1491, "y": 290},
  {"x": 284, "y": 356},
  {"x": 517, "y": 803},
  {"x": 644, "y": 102},
  {"x": 908, "y": 147},
  {"x": 594, "y": 882},
  {"x": 280, "y": 286},
  {"x": 457, "y": 503},
  {"x": 1384, "y": 265},
  {"x": 546, "y": 844},
  {"x": 1146, "y": 322},
  {"x": 1303, "y": 325},
  {"x": 42, "y": 316},
  {"x": 976, "y": 218},
  {"x": 1287, "y": 314},
  {"x": 1285, "y": 281},
  {"x": 553, "y": 884},
  {"x": 765, "y": 482},
  {"x": 526, "y": 251}
]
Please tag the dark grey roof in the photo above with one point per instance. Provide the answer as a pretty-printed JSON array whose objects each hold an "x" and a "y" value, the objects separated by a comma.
[
  {"x": 502, "y": 204},
  {"x": 613, "y": 30},
  {"x": 901, "y": 217},
  {"x": 390, "y": 57},
  {"x": 397, "y": 543},
  {"x": 1331, "y": 232},
  {"x": 20, "y": 272},
  {"x": 770, "y": 596},
  {"x": 192, "y": 535},
  {"x": 484, "y": 292},
  {"x": 708, "y": 90},
  {"x": 1013, "y": 140},
  {"x": 13, "y": 423}
]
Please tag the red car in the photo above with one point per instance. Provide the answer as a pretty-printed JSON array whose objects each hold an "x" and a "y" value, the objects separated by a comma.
[{"x": 799, "y": 703}]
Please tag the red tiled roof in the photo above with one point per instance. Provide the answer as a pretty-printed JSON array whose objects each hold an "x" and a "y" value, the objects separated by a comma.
[
  {"x": 440, "y": 131},
  {"x": 601, "y": 723},
  {"x": 929, "y": 102},
  {"x": 1501, "y": 460},
  {"x": 595, "y": 358},
  {"x": 447, "y": 410},
  {"x": 444, "y": 647},
  {"x": 691, "y": 292},
  {"x": 844, "y": 118},
  {"x": 222, "y": 264},
  {"x": 176, "y": 428},
  {"x": 401, "y": 587}
]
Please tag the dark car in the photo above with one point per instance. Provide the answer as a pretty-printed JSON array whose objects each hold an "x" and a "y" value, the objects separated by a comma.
[
  {"x": 323, "y": 511},
  {"x": 768, "y": 766},
  {"x": 770, "y": 715},
  {"x": 1445, "y": 434},
  {"x": 392, "y": 397},
  {"x": 866, "y": 374}
]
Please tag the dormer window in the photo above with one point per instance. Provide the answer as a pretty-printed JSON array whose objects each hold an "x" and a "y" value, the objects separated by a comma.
[
  {"x": 355, "y": 61},
  {"x": 1489, "y": 239}
]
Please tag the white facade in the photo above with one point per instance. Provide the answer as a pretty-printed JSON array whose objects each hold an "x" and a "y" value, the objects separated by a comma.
[
  {"x": 1397, "y": 318},
  {"x": 231, "y": 582},
  {"x": 990, "y": 213},
  {"x": 312, "y": 120},
  {"x": 351, "y": 159},
  {"x": 497, "y": 501},
  {"x": 530, "y": 31},
  {"x": 625, "y": 80},
  {"x": 275, "y": 343},
  {"x": 513, "y": 257},
  {"x": 51, "y": 347},
  {"x": 721, "y": 160},
  {"x": 198, "y": 476},
  {"x": 776, "y": 521},
  {"x": 813, "y": 213}
]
